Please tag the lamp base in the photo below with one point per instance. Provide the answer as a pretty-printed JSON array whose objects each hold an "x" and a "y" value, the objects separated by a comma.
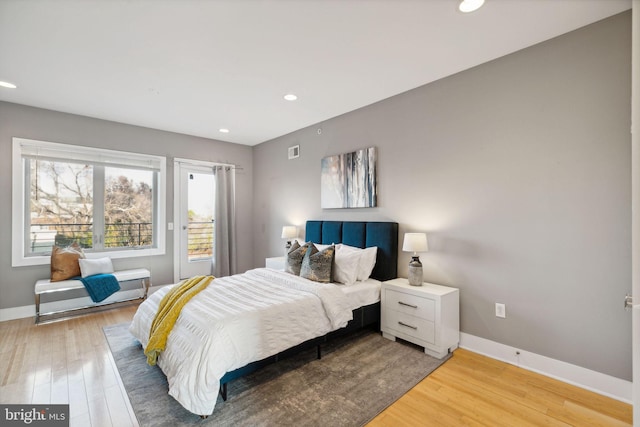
[{"x": 415, "y": 272}]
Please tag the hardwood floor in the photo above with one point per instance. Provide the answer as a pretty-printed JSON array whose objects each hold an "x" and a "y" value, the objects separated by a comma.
[
  {"x": 473, "y": 390},
  {"x": 69, "y": 362},
  {"x": 66, "y": 362}
]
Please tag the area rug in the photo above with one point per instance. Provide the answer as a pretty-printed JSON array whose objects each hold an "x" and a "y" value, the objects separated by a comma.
[{"x": 357, "y": 378}]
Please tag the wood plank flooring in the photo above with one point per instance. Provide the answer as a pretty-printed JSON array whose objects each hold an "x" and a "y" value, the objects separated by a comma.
[
  {"x": 474, "y": 390},
  {"x": 69, "y": 362}
]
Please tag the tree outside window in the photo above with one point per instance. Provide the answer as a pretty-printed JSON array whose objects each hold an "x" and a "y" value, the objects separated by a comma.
[{"x": 62, "y": 207}]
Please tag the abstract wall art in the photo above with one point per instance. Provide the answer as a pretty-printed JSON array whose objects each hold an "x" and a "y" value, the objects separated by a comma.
[{"x": 349, "y": 180}]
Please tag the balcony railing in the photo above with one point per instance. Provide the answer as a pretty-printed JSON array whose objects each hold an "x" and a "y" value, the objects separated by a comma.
[
  {"x": 200, "y": 240},
  {"x": 119, "y": 235}
]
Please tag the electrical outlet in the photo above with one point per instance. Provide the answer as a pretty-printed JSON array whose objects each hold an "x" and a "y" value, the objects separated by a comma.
[{"x": 501, "y": 310}]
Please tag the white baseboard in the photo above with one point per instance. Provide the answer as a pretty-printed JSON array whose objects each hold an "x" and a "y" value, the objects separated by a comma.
[
  {"x": 17, "y": 312},
  {"x": 597, "y": 382},
  {"x": 69, "y": 304}
]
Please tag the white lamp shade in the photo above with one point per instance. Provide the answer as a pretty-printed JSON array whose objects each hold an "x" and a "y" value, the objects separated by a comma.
[
  {"x": 289, "y": 232},
  {"x": 467, "y": 6},
  {"x": 415, "y": 242}
]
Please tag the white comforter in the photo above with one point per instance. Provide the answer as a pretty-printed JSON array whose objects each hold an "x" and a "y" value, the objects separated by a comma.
[{"x": 237, "y": 320}]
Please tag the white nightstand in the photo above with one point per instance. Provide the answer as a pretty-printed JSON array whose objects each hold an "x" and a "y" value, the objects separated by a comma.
[
  {"x": 427, "y": 315},
  {"x": 277, "y": 263}
]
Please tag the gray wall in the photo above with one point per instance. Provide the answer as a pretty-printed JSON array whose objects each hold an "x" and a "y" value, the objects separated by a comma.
[
  {"x": 16, "y": 284},
  {"x": 519, "y": 171}
]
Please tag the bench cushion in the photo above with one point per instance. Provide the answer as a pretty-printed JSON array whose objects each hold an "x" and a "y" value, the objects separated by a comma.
[{"x": 46, "y": 285}]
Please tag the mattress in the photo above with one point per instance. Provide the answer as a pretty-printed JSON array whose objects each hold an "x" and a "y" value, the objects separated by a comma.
[{"x": 362, "y": 293}]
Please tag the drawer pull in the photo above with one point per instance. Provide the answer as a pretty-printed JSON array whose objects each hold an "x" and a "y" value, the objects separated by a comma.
[
  {"x": 408, "y": 326},
  {"x": 408, "y": 305}
]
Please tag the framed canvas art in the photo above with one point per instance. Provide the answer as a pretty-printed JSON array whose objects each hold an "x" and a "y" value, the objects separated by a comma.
[{"x": 349, "y": 180}]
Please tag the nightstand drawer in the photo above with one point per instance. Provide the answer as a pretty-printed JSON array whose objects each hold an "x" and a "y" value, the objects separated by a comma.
[
  {"x": 411, "y": 325},
  {"x": 424, "y": 308}
]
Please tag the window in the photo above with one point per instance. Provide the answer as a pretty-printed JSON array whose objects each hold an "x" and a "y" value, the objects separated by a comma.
[{"x": 107, "y": 201}]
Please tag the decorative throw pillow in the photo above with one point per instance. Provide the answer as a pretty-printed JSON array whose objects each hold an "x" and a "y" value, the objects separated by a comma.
[
  {"x": 322, "y": 247},
  {"x": 318, "y": 245},
  {"x": 64, "y": 262},
  {"x": 91, "y": 267},
  {"x": 318, "y": 265},
  {"x": 294, "y": 258}
]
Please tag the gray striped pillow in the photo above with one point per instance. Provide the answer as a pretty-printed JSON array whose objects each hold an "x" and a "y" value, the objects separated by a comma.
[
  {"x": 294, "y": 258},
  {"x": 318, "y": 265}
]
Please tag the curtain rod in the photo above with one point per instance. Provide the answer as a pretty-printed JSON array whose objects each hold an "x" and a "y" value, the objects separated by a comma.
[{"x": 206, "y": 163}]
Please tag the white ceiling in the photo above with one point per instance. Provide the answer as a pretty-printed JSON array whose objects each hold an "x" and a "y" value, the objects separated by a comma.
[{"x": 195, "y": 66}]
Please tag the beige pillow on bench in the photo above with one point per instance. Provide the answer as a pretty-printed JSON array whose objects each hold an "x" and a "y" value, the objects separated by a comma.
[{"x": 64, "y": 262}]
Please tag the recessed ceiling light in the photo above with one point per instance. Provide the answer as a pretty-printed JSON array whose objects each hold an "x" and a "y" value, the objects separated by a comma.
[
  {"x": 8, "y": 85},
  {"x": 290, "y": 97},
  {"x": 467, "y": 6},
  {"x": 223, "y": 130}
]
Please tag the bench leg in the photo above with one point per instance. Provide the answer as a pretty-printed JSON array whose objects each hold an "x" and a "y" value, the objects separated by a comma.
[
  {"x": 37, "y": 308},
  {"x": 145, "y": 285}
]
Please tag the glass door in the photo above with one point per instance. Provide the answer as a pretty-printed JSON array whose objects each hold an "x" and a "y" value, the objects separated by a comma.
[{"x": 196, "y": 223}]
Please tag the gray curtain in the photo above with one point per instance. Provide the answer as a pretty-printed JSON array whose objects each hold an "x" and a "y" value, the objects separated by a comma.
[{"x": 224, "y": 261}]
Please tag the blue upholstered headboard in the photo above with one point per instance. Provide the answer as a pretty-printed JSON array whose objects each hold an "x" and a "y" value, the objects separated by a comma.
[{"x": 384, "y": 235}]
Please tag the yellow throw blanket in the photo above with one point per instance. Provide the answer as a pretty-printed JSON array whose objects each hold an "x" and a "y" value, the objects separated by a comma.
[{"x": 168, "y": 312}]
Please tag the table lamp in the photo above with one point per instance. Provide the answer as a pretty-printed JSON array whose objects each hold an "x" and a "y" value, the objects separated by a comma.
[
  {"x": 289, "y": 232},
  {"x": 415, "y": 242}
]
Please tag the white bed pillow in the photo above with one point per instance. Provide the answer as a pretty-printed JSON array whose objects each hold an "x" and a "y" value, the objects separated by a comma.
[
  {"x": 367, "y": 262},
  {"x": 345, "y": 267},
  {"x": 90, "y": 267},
  {"x": 367, "y": 259}
]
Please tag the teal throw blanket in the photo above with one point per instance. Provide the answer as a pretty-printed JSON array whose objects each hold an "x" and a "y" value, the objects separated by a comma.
[{"x": 100, "y": 286}]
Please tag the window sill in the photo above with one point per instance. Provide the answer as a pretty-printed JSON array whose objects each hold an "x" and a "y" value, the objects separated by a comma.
[{"x": 22, "y": 261}]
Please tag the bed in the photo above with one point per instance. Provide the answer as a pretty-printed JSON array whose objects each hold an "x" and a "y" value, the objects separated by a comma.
[{"x": 243, "y": 322}]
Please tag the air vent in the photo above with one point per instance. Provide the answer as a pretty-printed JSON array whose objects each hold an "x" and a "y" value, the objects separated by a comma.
[{"x": 294, "y": 152}]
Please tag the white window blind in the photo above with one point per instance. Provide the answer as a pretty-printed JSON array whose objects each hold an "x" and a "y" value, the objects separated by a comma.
[{"x": 78, "y": 154}]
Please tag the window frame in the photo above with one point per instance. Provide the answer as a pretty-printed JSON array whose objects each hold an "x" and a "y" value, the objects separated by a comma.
[{"x": 20, "y": 213}]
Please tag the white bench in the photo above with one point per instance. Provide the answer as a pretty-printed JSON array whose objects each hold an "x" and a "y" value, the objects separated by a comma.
[{"x": 46, "y": 286}]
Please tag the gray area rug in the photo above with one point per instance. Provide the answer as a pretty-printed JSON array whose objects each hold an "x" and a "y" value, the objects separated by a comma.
[{"x": 357, "y": 378}]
